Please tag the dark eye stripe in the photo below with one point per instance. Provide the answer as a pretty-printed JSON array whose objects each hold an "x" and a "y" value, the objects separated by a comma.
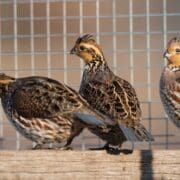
[
  {"x": 82, "y": 48},
  {"x": 178, "y": 50}
]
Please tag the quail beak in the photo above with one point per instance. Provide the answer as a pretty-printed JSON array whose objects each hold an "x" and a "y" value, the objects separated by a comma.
[{"x": 73, "y": 51}]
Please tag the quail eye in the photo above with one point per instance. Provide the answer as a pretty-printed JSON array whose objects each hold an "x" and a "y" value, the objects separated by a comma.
[
  {"x": 178, "y": 50},
  {"x": 82, "y": 48}
]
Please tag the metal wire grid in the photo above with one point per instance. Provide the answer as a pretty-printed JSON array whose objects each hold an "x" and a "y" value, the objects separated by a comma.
[{"x": 166, "y": 137}]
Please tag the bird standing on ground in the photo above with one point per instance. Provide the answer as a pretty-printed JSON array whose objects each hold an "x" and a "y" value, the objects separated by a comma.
[
  {"x": 110, "y": 94},
  {"x": 44, "y": 110},
  {"x": 170, "y": 81}
]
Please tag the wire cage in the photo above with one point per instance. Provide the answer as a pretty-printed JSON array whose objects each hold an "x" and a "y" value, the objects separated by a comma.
[{"x": 36, "y": 36}]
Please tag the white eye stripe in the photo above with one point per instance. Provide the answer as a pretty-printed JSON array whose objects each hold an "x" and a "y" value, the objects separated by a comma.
[
  {"x": 168, "y": 55},
  {"x": 93, "y": 47}
]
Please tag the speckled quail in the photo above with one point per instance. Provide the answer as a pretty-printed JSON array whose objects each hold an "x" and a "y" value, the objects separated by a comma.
[
  {"x": 170, "y": 81},
  {"x": 45, "y": 110},
  {"x": 109, "y": 94}
]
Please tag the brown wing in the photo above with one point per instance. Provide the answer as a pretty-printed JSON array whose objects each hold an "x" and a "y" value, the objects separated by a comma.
[
  {"x": 115, "y": 98},
  {"x": 118, "y": 100},
  {"x": 130, "y": 101},
  {"x": 42, "y": 97}
]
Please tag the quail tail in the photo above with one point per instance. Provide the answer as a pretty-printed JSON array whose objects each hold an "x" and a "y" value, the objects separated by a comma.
[
  {"x": 137, "y": 133},
  {"x": 89, "y": 119}
]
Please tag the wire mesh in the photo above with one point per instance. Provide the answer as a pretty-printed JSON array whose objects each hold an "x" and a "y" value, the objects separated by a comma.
[{"x": 36, "y": 36}]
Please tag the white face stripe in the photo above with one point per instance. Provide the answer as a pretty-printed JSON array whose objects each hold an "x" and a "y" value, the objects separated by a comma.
[
  {"x": 168, "y": 55},
  {"x": 93, "y": 47}
]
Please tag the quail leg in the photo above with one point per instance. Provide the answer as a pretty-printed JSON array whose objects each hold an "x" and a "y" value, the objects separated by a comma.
[
  {"x": 37, "y": 146},
  {"x": 105, "y": 147}
]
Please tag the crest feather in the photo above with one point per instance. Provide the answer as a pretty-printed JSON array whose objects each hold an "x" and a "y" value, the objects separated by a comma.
[{"x": 85, "y": 38}]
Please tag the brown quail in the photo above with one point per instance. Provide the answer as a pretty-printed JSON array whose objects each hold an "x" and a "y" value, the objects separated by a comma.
[
  {"x": 109, "y": 94},
  {"x": 170, "y": 81},
  {"x": 44, "y": 110}
]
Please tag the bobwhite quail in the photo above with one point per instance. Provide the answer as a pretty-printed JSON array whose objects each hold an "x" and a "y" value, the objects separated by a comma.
[
  {"x": 45, "y": 110},
  {"x": 109, "y": 94},
  {"x": 170, "y": 81}
]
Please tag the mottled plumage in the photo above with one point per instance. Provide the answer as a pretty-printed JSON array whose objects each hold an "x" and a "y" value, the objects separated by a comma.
[
  {"x": 44, "y": 110},
  {"x": 110, "y": 94},
  {"x": 170, "y": 81}
]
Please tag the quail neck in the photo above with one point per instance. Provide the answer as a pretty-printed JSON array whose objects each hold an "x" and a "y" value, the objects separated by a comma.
[{"x": 97, "y": 69}]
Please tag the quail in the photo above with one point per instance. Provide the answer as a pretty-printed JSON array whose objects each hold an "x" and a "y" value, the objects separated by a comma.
[
  {"x": 46, "y": 111},
  {"x": 170, "y": 81},
  {"x": 110, "y": 95}
]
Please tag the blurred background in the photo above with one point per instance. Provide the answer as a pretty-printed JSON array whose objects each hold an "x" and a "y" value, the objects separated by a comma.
[{"x": 37, "y": 35}]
